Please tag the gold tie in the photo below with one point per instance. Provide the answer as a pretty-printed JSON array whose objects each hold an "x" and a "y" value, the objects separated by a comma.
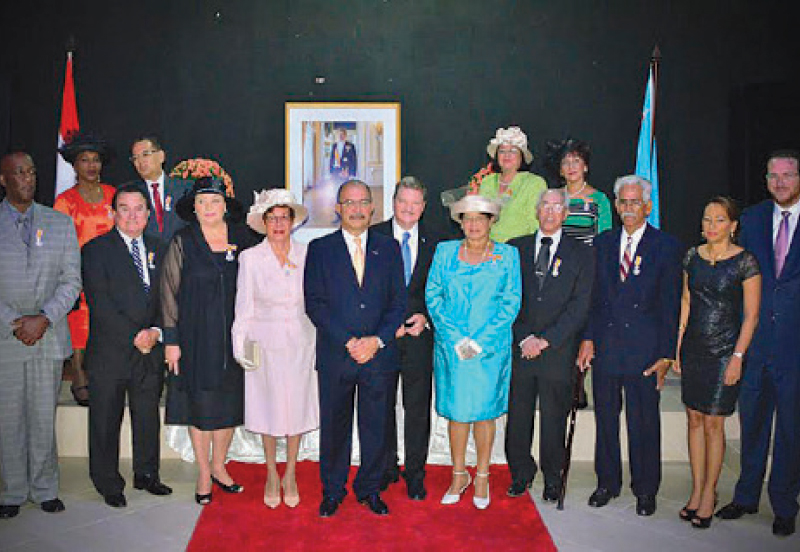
[{"x": 358, "y": 261}]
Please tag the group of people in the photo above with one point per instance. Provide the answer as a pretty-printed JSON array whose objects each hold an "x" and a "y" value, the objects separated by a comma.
[{"x": 283, "y": 338}]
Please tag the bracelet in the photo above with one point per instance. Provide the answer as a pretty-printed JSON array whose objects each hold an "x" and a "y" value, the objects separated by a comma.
[{"x": 739, "y": 355}]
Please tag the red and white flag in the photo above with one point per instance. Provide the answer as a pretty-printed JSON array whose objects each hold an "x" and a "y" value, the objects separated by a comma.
[{"x": 65, "y": 174}]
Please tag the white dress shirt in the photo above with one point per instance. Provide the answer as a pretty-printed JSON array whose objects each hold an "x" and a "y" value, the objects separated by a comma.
[
  {"x": 623, "y": 241},
  {"x": 142, "y": 253},
  {"x": 413, "y": 240},
  {"x": 553, "y": 246},
  {"x": 794, "y": 212},
  {"x": 160, "y": 181}
]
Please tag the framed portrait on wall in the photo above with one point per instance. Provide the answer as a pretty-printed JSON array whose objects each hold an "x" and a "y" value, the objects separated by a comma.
[{"x": 330, "y": 143}]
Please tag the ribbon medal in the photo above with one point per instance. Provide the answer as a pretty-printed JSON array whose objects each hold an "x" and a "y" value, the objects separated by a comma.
[
  {"x": 39, "y": 235},
  {"x": 229, "y": 254},
  {"x": 556, "y": 266},
  {"x": 150, "y": 261},
  {"x": 168, "y": 203},
  {"x": 637, "y": 264}
]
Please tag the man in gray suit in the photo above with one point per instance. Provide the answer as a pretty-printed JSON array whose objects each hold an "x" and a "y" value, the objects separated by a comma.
[{"x": 40, "y": 279}]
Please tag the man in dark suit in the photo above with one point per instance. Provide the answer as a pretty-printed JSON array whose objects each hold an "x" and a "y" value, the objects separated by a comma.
[
  {"x": 123, "y": 356},
  {"x": 557, "y": 276},
  {"x": 163, "y": 191},
  {"x": 356, "y": 297},
  {"x": 344, "y": 162},
  {"x": 771, "y": 382},
  {"x": 414, "y": 338},
  {"x": 633, "y": 325}
]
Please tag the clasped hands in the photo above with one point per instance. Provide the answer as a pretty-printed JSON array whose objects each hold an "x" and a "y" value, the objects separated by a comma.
[
  {"x": 362, "y": 349},
  {"x": 414, "y": 325},
  {"x": 30, "y": 329},
  {"x": 533, "y": 346},
  {"x": 145, "y": 340}
]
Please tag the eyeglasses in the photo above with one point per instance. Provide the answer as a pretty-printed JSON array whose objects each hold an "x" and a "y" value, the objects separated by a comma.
[
  {"x": 630, "y": 202},
  {"x": 507, "y": 151},
  {"x": 144, "y": 155},
  {"x": 350, "y": 203},
  {"x": 276, "y": 219},
  {"x": 557, "y": 207},
  {"x": 774, "y": 177}
]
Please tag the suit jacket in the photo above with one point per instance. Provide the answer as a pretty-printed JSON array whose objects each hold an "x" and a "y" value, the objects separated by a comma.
[
  {"x": 174, "y": 189},
  {"x": 341, "y": 309},
  {"x": 634, "y": 323},
  {"x": 45, "y": 279},
  {"x": 558, "y": 312},
  {"x": 776, "y": 337},
  {"x": 426, "y": 247},
  {"x": 119, "y": 306},
  {"x": 347, "y": 162}
]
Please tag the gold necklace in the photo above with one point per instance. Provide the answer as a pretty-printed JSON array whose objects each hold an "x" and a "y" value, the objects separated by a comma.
[{"x": 713, "y": 259}]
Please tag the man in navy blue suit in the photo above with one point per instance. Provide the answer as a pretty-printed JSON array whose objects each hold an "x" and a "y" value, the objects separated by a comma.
[
  {"x": 771, "y": 381},
  {"x": 633, "y": 325},
  {"x": 355, "y": 295}
]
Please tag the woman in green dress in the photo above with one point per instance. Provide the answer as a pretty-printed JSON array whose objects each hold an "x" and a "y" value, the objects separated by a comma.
[{"x": 516, "y": 189}]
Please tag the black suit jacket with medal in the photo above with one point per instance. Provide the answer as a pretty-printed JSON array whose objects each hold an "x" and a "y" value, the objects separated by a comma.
[
  {"x": 558, "y": 311},
  {"x": 119, "y": 306}
]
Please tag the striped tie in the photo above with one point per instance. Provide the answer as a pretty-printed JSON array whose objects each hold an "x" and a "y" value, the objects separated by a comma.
[
  {"x": 625, "y": 265},
  {"x": 137, "y": 260}
]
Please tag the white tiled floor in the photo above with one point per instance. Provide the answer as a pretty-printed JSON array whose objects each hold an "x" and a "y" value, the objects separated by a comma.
[{"x": 166, "y": 523}]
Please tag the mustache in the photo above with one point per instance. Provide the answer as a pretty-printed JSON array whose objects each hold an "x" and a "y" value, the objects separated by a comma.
[{"x": 357, "y": 216}]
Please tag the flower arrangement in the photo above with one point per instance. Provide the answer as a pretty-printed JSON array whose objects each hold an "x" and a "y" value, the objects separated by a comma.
[
  {"x": 474, "y": 185},
  {"x": 192, "y": 169}
]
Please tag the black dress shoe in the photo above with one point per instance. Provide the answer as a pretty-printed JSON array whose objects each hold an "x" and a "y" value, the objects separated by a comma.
[
  {"x": 116, "y": 500},
  {"x": 415, "y": 486},
  {"x": 233, "y": 488},
  {"x": 8, "y": 511},
  {"x": 645, "y": 505},
  {"x": 328, "y": 506},
  {"x": 53, "y": 506},
  {"x": 151, "y": 484},
  {"x": 735, "y": 511},
  {"x": 518, "y": 487},
  {"x": 783, "y": 526},
  {"x": 389, "y": 476},
  {"x": 374, "y": 503},
  {"x": 601, "y": 496},
  {"x": 551, "y": 493}
]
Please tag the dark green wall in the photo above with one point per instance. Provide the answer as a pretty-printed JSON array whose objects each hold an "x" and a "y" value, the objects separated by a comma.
[{"x": 216, "y": 86}]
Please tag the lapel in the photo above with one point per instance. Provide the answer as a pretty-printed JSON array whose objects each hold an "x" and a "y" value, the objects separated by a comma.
[
  {"x": 41, "y": 237},
  {"x": 424, "y": 254},
  {"x": 342, "y": 257},
  {"x": 765, "y": 229},
  {"x": 120, "y": 249},
  {"x": 557, "y": 260},
  {"x": 371, "y": 258},
  {"x": 792, "y": 255},
  {"x": 10, "y": 239},
  {"x": 612, "y": 259}
]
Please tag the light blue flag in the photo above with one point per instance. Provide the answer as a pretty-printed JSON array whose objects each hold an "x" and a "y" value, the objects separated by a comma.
[{"x": 647, "y": 152}]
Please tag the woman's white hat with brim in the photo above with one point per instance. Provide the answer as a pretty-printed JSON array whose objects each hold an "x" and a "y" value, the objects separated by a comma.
[
  {"x": 512, "y": 136},
  {"x": 265, "y": 200},
  {"x": 474, "y": 204}
]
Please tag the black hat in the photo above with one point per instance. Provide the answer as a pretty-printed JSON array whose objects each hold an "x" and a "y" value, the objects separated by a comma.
[
  {"x": 86, "y": 142},
  {"x": 207, "y": 185}
]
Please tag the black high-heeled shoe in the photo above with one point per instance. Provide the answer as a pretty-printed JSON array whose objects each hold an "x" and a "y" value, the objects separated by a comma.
[
  {"x": 233, "y": 488},
  {"x": 701, "y": 522},
  {"x": 203, "y": 499},
  {"x": 687, "y": 514}
]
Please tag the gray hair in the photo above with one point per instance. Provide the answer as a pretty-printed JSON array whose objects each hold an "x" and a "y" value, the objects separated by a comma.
[
  {"x": 560, "y": 192},
  {"x": 411, "y": 183},
  {"x": 353, "y": 182},
  {"x": 633, "y": 180}
]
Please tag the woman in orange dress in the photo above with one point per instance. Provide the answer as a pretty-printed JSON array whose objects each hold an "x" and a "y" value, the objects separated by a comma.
[{"x": 88, "y": 203}]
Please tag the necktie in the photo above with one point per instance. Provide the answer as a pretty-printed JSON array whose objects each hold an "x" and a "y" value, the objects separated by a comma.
[
  {"x": 137, "y": 260},
  {"x": 158, "y": 206},
  {"x": 542, "y": 260},
  {"x": 358, "y": 261},
  {"x": 24, "y": 228},
  {"x": 625, "y": 265},
  {"x": 405, "y": 249},
  {"x": 782, "y": 243}
]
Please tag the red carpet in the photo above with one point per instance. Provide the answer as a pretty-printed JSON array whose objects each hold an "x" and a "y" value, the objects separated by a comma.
[{"x": 242, "y": 522}]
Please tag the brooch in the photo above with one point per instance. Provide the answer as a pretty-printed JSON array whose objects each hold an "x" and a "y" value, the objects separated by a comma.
[{"x": 229, "y": 253}]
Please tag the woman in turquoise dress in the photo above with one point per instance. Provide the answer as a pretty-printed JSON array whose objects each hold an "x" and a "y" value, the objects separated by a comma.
[
  {"x": 473, "y": 296},
  {"x": 516, "y": 189}
]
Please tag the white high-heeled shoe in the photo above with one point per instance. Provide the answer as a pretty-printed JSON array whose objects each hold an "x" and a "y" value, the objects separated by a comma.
[
  {"x": 449, "y": 498},
  {"x": 482, "y": 503}
]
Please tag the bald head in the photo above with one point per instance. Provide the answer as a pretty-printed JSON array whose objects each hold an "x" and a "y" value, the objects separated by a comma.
[{"x": 18, "y": 177}]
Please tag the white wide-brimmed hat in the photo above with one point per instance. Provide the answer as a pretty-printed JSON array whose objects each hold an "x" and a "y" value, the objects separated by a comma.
[
  {"x": 474, "y": 204},
  {"x": 512, "y": 136},
  {"x": 265, "y": 200}
]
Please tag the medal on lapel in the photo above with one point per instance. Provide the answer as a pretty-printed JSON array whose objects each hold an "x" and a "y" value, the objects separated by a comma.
[
  {"x": 556, "y": 266},
  {"x": 637, "y": 264},
  {"x": 167, "y": 203},
  {"x": 39, "y": 235},
  {"x": 150, "y": 261},
  {"x": 229, "y": 253}
]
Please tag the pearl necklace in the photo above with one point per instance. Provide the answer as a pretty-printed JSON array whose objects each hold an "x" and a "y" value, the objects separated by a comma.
[{"x": 576, "y": 194}]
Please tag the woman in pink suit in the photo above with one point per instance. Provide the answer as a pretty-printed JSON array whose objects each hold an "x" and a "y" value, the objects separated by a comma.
[{"x": 280, "y": 382}]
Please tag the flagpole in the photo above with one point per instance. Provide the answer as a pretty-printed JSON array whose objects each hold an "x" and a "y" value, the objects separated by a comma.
[{"x": 655, "y": 64}]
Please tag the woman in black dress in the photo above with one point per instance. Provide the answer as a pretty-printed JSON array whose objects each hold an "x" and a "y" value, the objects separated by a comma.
[
  {"x": 719, "y": 313},
  {"x": 198, "y": 291}
]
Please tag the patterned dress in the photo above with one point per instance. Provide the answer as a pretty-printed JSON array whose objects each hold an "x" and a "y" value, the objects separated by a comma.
[
  {"x": 91, "y": 220},
  {"x": 587, "y": 218}
]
